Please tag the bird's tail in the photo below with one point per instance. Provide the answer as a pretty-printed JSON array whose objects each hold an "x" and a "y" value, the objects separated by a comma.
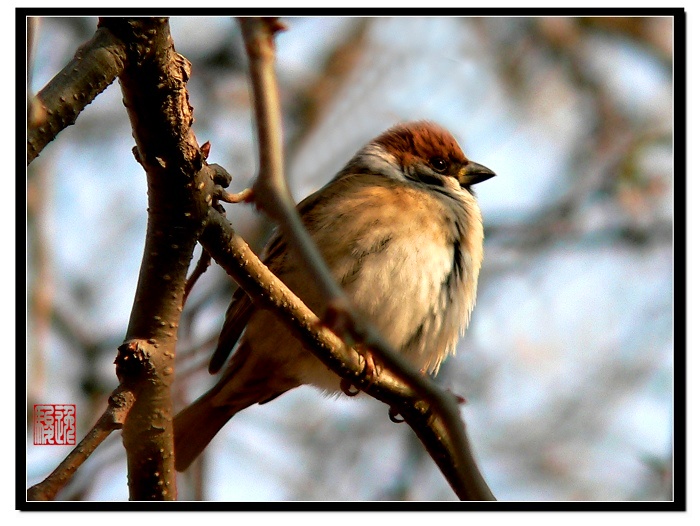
[
  {"x": 244, "y": 383},
  {"x": 197, "y": 424}
]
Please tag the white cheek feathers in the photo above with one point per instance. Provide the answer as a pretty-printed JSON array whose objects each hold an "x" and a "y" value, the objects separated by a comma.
[{"x": 374, "y": 158}]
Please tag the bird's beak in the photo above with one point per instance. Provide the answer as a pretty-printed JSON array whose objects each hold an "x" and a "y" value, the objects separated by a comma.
[{"x": 473, "y": 173}]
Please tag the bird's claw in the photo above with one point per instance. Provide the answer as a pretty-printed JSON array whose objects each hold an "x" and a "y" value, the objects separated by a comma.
[
  {"x": 370, "y": 372},
  {"x": 348, "y": 388},
  {"x": 395, "y": 416}
]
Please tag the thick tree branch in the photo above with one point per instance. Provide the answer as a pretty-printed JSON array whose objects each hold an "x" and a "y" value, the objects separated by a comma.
[
  {"x": 155, "y": 95},
  {"x": 95, "y": 66}
]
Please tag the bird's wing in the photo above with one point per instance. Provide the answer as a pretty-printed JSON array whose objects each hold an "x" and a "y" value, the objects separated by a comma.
[
  {"x": 275, "y": 256},
  {"x": 237, "y": 316}
]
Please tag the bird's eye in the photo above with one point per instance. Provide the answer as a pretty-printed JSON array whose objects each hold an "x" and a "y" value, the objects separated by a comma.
[{"x": 438, "y": 164}]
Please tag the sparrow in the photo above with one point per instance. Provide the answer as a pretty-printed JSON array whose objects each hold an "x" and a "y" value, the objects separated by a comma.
[{"x": 401, "y": 231}]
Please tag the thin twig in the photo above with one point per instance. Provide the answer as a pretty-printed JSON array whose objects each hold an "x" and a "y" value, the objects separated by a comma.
[
  {"x": 241, "y": 197},
  {"x": 272, "y": 194},
  {"x": 120, "y": 403},
  {"x": 201, "y": 267}
]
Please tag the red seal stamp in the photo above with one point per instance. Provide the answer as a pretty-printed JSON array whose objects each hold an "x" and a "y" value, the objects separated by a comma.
[{"x": 54, "y": 424}]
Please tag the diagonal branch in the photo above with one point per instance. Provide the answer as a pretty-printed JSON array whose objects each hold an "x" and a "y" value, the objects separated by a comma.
[
  {"x": 94, "y": 67},
  {"x": 425, "y": 418},
  {"x": 446, "y": 439},
  {"x": 120, "y": 403}
]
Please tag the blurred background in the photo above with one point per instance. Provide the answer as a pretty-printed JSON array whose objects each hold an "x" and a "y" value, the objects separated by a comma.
[{"x": 568, "y": 365}]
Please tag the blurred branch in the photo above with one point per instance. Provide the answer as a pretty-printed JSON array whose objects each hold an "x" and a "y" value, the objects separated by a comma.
[
  {"x": 95, "y": 66},
  {"x": 605, "y": 160},
  {"x": 313, "y": 101},
  {"x": 544, "y": 451},
  {"x": 599, "y": 174},
  {"x": 413, "y": 455},
  {"x": 653, "y": 33},
  {"x": 42, "y": 290}
]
